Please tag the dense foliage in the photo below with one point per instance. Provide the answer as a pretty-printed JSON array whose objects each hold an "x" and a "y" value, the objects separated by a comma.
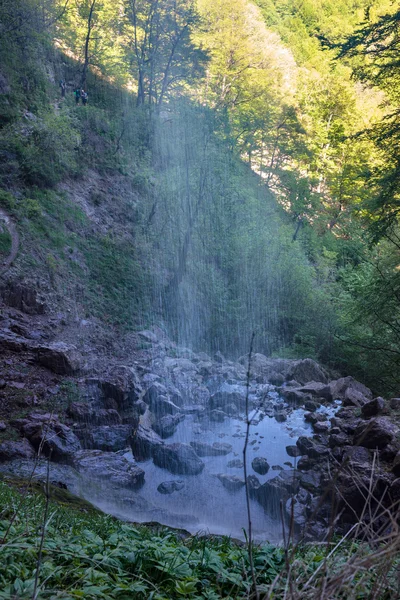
[{"x": 255, "y": 162}]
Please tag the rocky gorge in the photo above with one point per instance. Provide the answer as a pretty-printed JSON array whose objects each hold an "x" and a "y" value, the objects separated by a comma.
[{"x": 151, "y": 431}]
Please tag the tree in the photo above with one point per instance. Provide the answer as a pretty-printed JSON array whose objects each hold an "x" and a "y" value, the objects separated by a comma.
[{"x": 162, "y": 50}]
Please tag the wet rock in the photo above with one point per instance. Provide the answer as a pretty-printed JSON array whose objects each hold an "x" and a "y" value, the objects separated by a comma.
[
  {"x": 104, "y": 437},
  {"x": 215, "y": 449},
  {"x": 167, "y": 425},
  {"x": 84, "y": 413},
  {"x": 231, "y": 410},
  {"x": 260, "y": 465},
  {"x": 193, "y": 409},
  {"x": 313, "y": 418},
  {"x": 279, "y": 488},
  {"x": 11, "y": 450},
  {"x": 253, "y": 484},
  {"x": 178, "y": 459},
  {"x": 338, "y": 439},
  {"x": 231, "y": 482},
  {"x": 373, "y": 407},
  {"x": 122, "y": 384},
  {"x": 169, "y": 487},
  {"x": 307, "y": 370},
  {"x": 311, "y": 448},
  {"x": 311, "y": 481},
  {"x": 227, "y": 397},
  {"x": 295, "y": 396},
  {"x": 311, "y": 405},
  {"x": 218, "y": 416},
  {"x": 106, "y": 465},
  {"x": 219, "y": 358},
  {"x": 235, "y": 464},
  {"x": 293, "y": 451},
  {"x": 304, "y": 463},
  {"x": 276, "y": 378},
  {"x": 159, "y": 404},
  {"x": 53, "y": 438},
  {"x": 280, "y": 417},
  {"x": 60, "y": 358},
  {"x": 277, "y": 468},
  {"x": 144, "y": 442},
  {"x": 296, "y": 514},
  {"x": 376, "y": 433},
  {"x": 321, "y": 427}
]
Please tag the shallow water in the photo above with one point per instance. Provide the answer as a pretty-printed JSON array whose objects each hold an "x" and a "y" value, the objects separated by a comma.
[{"x": 203, "y": 497}]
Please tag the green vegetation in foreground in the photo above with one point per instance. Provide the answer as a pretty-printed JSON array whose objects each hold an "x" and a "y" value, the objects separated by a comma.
[{"x": 90, "y": 555}]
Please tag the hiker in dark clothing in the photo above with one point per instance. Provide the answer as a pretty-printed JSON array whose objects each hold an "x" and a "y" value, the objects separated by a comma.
[
  {"x": 77, "y": 95},
  {"x": 62, "y": 87},
  {"x": 84, "y": 97}
]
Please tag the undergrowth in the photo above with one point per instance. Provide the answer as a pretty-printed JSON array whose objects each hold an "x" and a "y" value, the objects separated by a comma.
[{"x": 87, "y": 554}]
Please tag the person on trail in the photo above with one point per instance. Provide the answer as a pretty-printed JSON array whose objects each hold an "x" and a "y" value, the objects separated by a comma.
[
  {"x": 77, "y": 95},
  {"x": 62, "y": 87},
  {"x": 84, "y": 97}
]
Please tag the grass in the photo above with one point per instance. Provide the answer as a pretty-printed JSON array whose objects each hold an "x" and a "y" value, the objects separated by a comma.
[{"x": 87, "y": 554}]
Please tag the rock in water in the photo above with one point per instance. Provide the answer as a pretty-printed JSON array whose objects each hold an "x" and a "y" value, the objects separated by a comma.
[
  {"x": 168, "y": 487},
  {"x": 260, "y": 465},
  {"x": 216, "y": 449},
  {"x": 178, "y": 459},
  {"x": 144, "y": 442},
  {"x": 107, "y": 465},
  {"x": 167, "y": 425},
  {"x": 376, "y": 433},
  {"x": 231, "y": 482}
]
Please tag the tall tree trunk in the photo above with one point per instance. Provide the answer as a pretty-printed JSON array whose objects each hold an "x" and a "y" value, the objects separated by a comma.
[{"x": 87, "y": 44}]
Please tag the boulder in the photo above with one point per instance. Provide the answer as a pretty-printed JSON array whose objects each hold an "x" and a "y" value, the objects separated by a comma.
[
  {"x": 144, "y": 442},
  {"x": 231, "y": 482},
  {"x": 353, "y": 397},
  {"x": 338, "y": 439},
  {"x": 160, "y": 405},
  {"x": 215, "y": 449},
  {"x": 311, "y": 481},
  {"x": 253, "y": 484},
  {"x": 260, "y": 465},
  {"x": 311, "y": 448},
  {"x": 236, "y": 463},
  {"x": 295, "y": 396},
  {"x": 218, "y": 416},
  {"x": 307, "y": 370},
  {"x": 227, "y": 396},
  {"x": 339, "y": 387},
  {"x": 296, "y": 514},
  {"x": 84, "y": 413},
  {"x": 317, "y": 389},
  {"x": 167, "y": 425},
  {"x": 321, "y": 427},
  {"x": 376, "y": 433},
  {"x": 373, "y": 407},
  {"x": 104, "y": 437},
  {"x": 60, "y": 358},
  {"x": 10, "y": 450},
  {"x": 279, "y": 488},
  {"x": 178, "y": 459},
  {"x": 50, "y": 437},
  {"x": 122, "y": 384},
  {"x": 109, "y": 466},
  {"x": 356, "y": 455},
  {"x": 311, "y": 405},
  {"x": 168, "y": 487},
  {"x": 293, "y": 451}
]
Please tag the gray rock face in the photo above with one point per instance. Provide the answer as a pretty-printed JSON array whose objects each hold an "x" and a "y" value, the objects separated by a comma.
[
  {"x": 376, "y": 433},
  {"x": 112, "y": 467},
  {"x": 260, "y": 465},
  {"x": 215, "y": 449},
  {"x": 160, "y": 405},
  {"x": 169, "y": 487},
  {"x": 53, "y": 438},
  {"x": 373, "y": 407},
  {"x": 353, "y": 397},
  {"x": 231, "y": 482},
  {"x": 307, "y": 370},
  {"x": 10, "y": 450},
  {"x": 144, "y": 442},
  {"x": 104, "y": 437},
  {"x": 61, "y": 358},
  {"x": 167, "y": 425},
  {"x": 84, "y": 413},
  {"x": 178, "y": 458},
  {"x": 339, "y": 387}
]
